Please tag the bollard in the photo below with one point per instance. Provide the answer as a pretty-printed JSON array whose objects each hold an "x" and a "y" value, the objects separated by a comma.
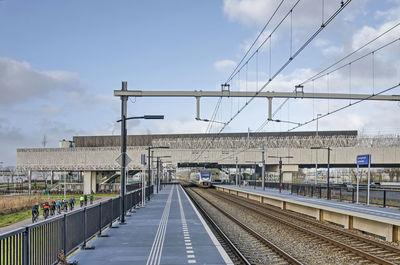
[
  {"x": 25, "y": 249},
  {"x": 384, "y": 198}
]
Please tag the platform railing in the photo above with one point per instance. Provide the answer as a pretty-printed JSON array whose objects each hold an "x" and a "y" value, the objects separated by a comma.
[
  {"x": 42, "y": 242},
  {"x": 378, "y": 196}
]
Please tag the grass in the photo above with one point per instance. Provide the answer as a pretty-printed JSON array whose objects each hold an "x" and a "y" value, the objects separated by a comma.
[
  {"x": 16, "y": 205},
  {"x": 12, "y": 218}
]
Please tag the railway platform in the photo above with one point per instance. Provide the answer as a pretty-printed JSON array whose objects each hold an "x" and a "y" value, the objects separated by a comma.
[
  {"x": 383, "y": 222},
  {"x": 168, "y": 230}
]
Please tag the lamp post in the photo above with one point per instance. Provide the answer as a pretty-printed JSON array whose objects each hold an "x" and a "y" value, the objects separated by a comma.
[
  {"x": 158, "y": 170},
  {"x": 328, "y": 195},
  {"x": 124, "y": 100},
  {"x": 280, "y": 169},
  {"x": 150, "y": 148},
  {"x": 236, "y": 171},
  {"x": 254, "y": 175},
  {"x": 316, "y": 153}
]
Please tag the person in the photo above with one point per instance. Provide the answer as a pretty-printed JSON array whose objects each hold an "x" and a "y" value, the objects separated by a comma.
[
  {"x": 82, "y": 199},
  {"x": 53, "y": 208},
  {"x": 46, "y": 210},
  {"x": 58, "y": 205},
  {"x": 91, "y": 199},
  {"x": 85, "y": 197},
  {"x": 71, "y": 204},
  {"x": 35, "y": 212},
  {"x": 64, "y": 205}
]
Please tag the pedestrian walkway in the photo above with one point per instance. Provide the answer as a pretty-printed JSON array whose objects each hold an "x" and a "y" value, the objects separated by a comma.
[{"x": 168, "y": 230}]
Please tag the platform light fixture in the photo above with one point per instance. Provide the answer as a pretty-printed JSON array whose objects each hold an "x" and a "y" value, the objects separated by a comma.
[
  {"x": 328, "y": 195},
  {"x": 124, "y": 101},
  {"x": 280, "y": 169}
]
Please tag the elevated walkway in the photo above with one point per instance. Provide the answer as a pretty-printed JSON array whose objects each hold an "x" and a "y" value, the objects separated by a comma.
[
  {"x": 169, "y": 230},
  {"x": 383, "y": 222}
]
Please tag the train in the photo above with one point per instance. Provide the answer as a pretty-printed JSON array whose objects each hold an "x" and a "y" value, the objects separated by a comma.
[{"x": 201, "y": 179}]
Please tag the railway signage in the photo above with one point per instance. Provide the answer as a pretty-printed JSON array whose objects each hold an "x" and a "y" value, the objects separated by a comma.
[
  {"x": 143, "y": 159},
  {"x": 363, "y": 159},
  {"x": 127, "y": 160}
]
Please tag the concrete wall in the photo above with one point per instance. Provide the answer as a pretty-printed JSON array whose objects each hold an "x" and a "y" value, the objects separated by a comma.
[{"x": 103, "y": 158}]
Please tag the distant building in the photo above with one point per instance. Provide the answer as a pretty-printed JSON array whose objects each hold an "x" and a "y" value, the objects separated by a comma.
[{"x": 66, "y": 144}]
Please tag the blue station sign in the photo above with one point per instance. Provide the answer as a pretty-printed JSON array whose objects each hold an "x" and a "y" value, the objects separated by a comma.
[
  {"x": 143, "y": 159},
  {"x": 363, "y": 160}
]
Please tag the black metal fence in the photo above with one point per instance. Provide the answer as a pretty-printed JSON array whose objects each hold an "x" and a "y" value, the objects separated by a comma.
[
  {"x": 40, "y": 243},
  {"x": 380, "y": 197}
]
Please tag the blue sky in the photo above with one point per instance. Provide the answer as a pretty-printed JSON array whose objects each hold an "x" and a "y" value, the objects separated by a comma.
[{"x": 61, "y": 60}]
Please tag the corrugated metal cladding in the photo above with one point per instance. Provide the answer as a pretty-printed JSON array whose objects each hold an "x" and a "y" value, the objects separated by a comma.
[{"x": 146, "y": 140}]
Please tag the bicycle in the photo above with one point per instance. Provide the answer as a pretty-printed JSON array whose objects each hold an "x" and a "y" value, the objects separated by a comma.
[
  {"x": 65, "y": 207},
  {"x": 46, "y": 210},
  {"x": 35, "y": 213},
  {"x": 58, "y": 206}
]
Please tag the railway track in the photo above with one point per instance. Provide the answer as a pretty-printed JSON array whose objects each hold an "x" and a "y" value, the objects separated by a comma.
[
  {"x": 364, "y": 248},
  {"x": 266, "y": 251}
]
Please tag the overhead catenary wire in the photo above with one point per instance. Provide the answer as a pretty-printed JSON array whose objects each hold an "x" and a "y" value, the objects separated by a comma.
[
  {"x": 344, "y": 107},
  {"x": 323, "y": 71},
  {"x": 348, "y": 55},
  {"x": 262, "y": 43},
  {"x": 295, "y": 54},
  {"x": 254, "y": 42},
  {"x": 302, "y": 47},
  {"x": 358, "y": 58}
]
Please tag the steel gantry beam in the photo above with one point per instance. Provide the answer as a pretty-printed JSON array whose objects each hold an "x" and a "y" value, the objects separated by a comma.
[{"x": 241, "y": 94}]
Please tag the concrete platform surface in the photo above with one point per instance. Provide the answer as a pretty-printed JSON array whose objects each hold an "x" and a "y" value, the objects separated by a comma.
[
  {"x": 387, "y": 213},
  {"x": 169, "y": 230}
]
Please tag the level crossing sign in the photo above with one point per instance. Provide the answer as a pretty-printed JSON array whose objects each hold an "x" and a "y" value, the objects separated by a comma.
[{"x": 363, "y": 159}]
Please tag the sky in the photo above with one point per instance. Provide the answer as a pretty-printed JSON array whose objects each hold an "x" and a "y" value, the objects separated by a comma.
[{"x": 61, "y": 60}]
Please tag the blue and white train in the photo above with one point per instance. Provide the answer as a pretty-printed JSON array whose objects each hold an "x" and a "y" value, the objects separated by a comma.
[{"x": 201, "y": 179}]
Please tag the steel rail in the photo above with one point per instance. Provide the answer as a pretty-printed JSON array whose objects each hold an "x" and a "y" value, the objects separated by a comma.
[
  {"x": 220, "y": 233},
  {"x": 359, "y": 252},
  {"x": 267, "y": 242},
  {"x": 325, "y": 226}
]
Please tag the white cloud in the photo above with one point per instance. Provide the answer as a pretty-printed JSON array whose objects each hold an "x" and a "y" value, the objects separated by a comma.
[
  {"x": 259, "y": 11},
  {"x": 19, "y": 81},
  {"x": 367, "y": 33},
  {"x": 224, "y": 65}
]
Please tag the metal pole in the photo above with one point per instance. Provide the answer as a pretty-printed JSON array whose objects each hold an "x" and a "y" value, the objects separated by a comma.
[
  {"x": 316, "y": 158},
  {"x": 143, "y": 187},
  {"x": 158, "y": 173},
  {"x": 329, "y": 191},
  {"x": 152, "y": 171},
  {"x": 240, "y": 176},
  {"x": 29, "y": 181},
  {"x": 148, "y": 176},
  {"x": 280, "y": 174},
  {"x": 255, "y": 176},
  {"x": 237, "y": 171},
  {"x": 263, "y": 168},
  {"x": 124, "y": 100},
  {"x": 65, "y": 186},
  {"x": 369, "y": 178},
  {"x": 358, "y": 182}
]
